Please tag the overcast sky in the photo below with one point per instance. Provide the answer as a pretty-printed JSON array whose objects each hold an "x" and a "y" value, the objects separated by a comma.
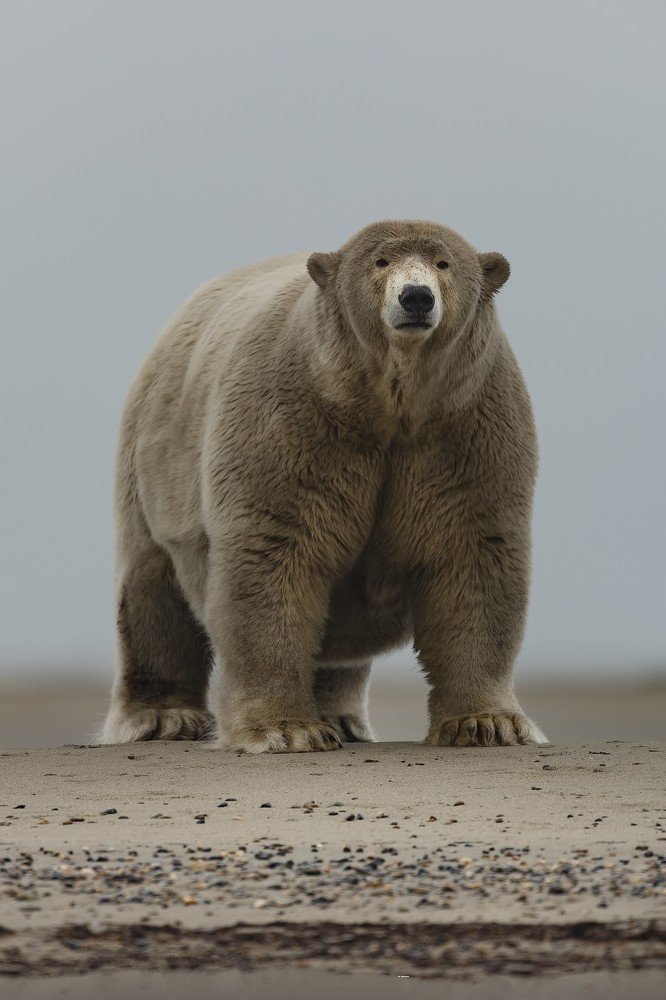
[{"x": 148, "y": 145}]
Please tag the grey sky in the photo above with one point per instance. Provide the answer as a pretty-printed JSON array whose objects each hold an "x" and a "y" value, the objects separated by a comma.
[{"x": 150, "y": 145}]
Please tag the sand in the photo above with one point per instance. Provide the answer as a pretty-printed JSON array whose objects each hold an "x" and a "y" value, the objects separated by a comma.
[
  {"x": 280, "y": 872},
  {"x": 298, "y": 983},
  {"x": 379, "y": 856}
]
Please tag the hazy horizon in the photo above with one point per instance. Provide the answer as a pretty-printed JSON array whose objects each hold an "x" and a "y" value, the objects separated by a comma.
[{"x": 149, "y": 147}]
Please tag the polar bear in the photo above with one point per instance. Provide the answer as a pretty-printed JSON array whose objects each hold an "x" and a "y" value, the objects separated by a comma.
[{"x": 322, "y": 458}]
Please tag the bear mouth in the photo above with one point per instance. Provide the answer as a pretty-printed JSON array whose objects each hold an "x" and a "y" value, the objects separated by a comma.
[{"x": 413, "y": 324}]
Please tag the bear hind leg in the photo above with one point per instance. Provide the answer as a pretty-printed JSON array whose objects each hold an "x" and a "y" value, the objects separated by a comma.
[
  {"x": 341, "y": 694},
  {"x": 165, "y": 658}
]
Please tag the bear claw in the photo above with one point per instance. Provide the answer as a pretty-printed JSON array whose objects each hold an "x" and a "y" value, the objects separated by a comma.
[
  {"x": 139, "y": 723},
  {"x": 285, "y": 737},
  {"x": 485, "y": 730}
]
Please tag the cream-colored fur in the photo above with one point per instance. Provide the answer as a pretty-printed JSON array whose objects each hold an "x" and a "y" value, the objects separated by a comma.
[{"x": 303, "y": 483}]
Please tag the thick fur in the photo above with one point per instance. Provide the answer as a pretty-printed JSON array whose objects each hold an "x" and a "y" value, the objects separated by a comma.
[{"x": 301, "y": 486}]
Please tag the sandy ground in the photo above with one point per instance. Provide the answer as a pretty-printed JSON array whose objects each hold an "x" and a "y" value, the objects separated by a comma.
[
  {"x": 329, "y": 986},
  {"x": 190, "y": 837},
  {"x": 390, "y": 858}
]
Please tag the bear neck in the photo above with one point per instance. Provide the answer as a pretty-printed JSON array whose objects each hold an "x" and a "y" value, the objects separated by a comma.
[{"x": 383, "y": 392}]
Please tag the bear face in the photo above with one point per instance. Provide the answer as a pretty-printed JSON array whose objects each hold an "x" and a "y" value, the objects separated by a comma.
[{"x": 398, "y": 283}]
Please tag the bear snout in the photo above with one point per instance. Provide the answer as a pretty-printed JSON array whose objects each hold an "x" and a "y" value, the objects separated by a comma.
[
  {"x": 416, "y": 299},
  {"x": 417, "y": 302},
  {"x": 411, "y": 302}
]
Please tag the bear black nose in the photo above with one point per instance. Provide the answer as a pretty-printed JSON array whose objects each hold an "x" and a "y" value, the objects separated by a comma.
[{"x": 416, "y": 299}]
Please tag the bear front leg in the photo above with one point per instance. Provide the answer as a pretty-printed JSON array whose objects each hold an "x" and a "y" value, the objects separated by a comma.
[
  {"x": 469, "y": 619},
  {"x": 266, "y": 617}
]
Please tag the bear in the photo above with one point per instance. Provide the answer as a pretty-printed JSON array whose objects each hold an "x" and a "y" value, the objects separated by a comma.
[{"x": 323, "y": 458}]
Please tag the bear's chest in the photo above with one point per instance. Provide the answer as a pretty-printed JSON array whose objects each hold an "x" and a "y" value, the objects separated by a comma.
[{"x": 416, "y": 504}]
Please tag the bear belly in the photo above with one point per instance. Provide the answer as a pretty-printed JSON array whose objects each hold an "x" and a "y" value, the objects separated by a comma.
[{"x": 369, "y": 613}]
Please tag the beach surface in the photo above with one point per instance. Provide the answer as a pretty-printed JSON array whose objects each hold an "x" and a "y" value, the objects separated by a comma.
[
  {"x": 378, "y": 855},
  {"x": 391, "y": 858}
]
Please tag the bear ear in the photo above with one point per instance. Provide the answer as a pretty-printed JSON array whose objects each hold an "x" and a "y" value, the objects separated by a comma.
[
  {"x": 322, "y": 268},
  {"x": 495, "y": 269}
]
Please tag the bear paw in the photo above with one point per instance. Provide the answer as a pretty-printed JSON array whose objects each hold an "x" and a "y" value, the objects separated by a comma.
[
  {"x": 137, "y": 723},
  {"x": 290, "y": 736},
  {"x": 351, "y": 728},
  {"x": 485, "y": 730}
]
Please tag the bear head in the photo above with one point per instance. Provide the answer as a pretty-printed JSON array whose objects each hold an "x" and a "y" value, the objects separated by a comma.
[{"x": 401, "y": 282}]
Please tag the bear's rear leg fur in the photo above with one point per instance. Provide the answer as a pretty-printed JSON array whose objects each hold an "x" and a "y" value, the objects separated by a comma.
[
  {"x": 165, "y": 658},
  {"x": 341, "y": 694}
]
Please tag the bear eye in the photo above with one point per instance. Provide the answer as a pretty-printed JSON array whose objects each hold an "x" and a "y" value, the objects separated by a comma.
[
  {"x": 381, "y": 262},
  {"x": 442, "y": 265}
]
